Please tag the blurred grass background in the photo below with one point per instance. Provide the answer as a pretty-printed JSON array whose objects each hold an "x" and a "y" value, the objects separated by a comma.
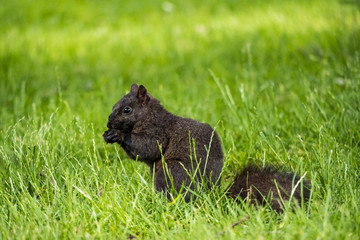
[{"x": 279, "y": 79}]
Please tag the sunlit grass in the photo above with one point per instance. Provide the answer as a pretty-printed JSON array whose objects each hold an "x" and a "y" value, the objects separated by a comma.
[{"x": 279, "y": 79}]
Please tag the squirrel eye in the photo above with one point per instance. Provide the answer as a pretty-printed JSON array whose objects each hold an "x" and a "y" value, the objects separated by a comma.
[{"x": 127, "y": 109}]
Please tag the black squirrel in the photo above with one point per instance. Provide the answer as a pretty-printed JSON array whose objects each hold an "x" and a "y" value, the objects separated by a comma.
[{"x": 151, "y": 134}]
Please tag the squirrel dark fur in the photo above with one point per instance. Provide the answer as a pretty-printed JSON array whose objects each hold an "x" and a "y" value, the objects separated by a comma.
[{"x": 151, "y": 134}]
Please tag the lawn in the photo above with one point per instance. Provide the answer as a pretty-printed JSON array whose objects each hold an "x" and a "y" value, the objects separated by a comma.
[{"x": 280, "y": 81}]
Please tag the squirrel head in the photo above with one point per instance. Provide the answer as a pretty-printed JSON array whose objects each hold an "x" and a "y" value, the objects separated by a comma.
[{"x": 132, "y": 108}]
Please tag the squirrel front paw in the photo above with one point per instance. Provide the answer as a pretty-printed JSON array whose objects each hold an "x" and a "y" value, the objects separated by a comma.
[{"x": 112, "y": 136}]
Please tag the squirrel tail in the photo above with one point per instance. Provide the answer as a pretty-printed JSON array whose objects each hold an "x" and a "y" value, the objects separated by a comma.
[{"x": 268, "y": 185}]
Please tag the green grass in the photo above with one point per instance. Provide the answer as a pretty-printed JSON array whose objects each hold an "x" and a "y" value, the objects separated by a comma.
[{"x": 279, "y": 79}]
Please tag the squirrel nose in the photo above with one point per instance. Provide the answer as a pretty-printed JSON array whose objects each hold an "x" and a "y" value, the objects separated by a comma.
[{"x": 111, "y": 119}]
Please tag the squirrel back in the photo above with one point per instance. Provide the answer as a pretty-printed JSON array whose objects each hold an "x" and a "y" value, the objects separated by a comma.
[{"x": 184, "y": 152}]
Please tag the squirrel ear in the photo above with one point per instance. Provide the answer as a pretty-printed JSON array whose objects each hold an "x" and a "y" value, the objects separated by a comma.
[
  {"x": 142, "y": 94},
  {"x": 134, "y": 88}
]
